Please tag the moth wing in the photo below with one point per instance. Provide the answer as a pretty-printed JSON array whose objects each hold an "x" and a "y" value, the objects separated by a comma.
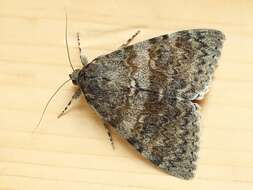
[
  {"x": 179, "y": 65},
  {"x": 145, "y": 90},
  {"x": 164, "y": 130}
]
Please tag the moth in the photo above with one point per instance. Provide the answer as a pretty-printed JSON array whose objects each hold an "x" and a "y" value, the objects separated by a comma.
[{"x": 146, "y": 92}]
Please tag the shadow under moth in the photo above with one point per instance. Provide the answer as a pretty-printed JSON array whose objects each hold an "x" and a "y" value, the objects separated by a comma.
[{"x": 145, "y": 91}]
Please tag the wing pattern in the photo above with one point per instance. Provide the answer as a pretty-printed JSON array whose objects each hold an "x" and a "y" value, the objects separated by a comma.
[{"x": 145, "y": 92}]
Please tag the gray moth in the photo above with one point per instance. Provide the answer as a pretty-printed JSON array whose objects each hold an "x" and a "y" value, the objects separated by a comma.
[{"x": 146, "y": 92}]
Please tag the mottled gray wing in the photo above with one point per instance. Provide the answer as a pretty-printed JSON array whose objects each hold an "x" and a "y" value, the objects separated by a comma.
[
  {"x": 179, "y": 65},
  {"x": 145, "y": 90},
  {"x": 164, "y": 130}
]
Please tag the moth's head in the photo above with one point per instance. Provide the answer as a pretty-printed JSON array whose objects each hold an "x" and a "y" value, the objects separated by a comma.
[{"x": 74, "y": 76}]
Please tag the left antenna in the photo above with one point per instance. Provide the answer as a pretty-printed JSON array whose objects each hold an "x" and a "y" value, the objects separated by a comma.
[{"x": 66, "y": 39}]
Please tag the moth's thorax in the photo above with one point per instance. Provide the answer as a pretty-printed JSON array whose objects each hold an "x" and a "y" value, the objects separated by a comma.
[
  {"x": 92, "y": 78},
  {"x": 102, "y": 77}
]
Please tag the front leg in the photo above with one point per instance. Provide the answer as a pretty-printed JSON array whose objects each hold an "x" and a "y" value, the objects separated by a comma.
[
  {"x": 76, "y": 95},
  {"x": 130, "y": 40},
  {"x": 83, "y": 58}
]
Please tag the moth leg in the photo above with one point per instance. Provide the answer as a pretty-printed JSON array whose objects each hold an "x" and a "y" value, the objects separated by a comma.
[
  {"x": 83, "y": 58},
  {"x": 74, "y": 97},
  {"x": 130, "y": 39},
  {"x": 109, "y": 134}
]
